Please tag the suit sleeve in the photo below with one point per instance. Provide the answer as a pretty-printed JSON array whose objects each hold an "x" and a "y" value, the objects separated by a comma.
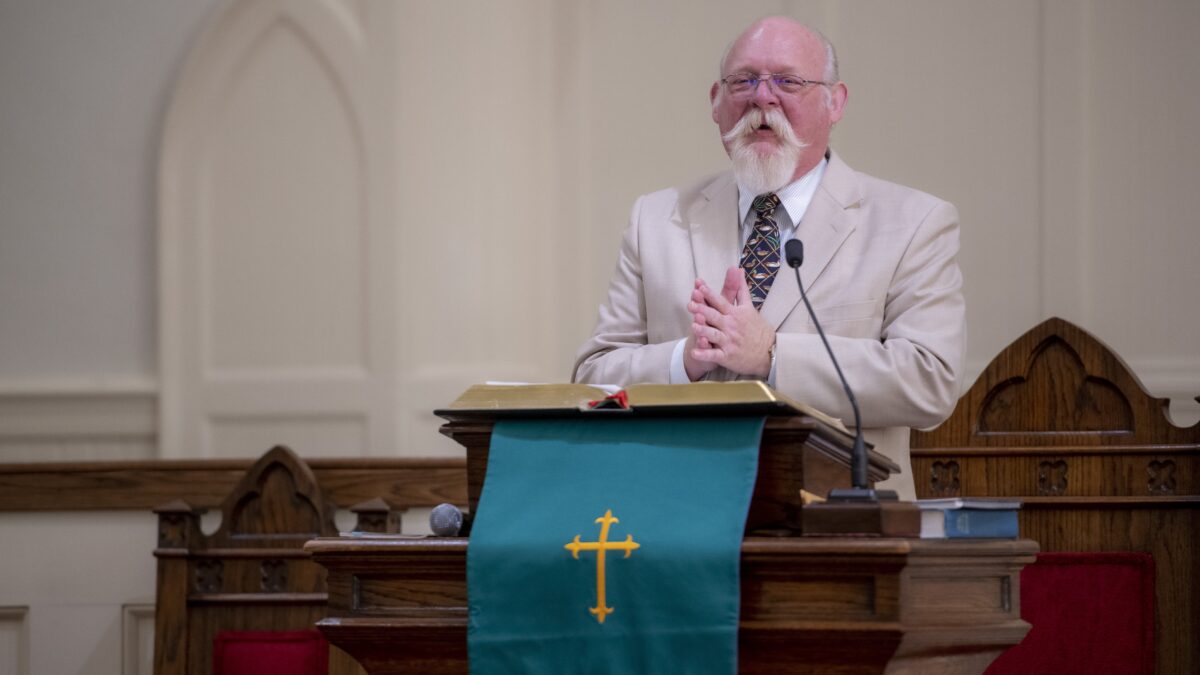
[
  {"x": 618, "y": 352},
  {"x": 908, "y": 376}
]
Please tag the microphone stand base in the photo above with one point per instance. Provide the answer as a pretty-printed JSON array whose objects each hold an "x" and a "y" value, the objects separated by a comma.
[
  {"x": 862, "y": 494},
  {"x": 861, "y": 512}
]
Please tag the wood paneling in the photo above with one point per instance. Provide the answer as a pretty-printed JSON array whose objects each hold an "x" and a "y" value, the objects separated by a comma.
[
  {"x": 203, "y": 484},
  {"x": 808, "y": 604}
]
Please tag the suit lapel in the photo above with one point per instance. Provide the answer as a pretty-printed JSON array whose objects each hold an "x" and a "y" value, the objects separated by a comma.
[
  {"x": 716, "y": 235},
  {"x": 825, "y": 226}
]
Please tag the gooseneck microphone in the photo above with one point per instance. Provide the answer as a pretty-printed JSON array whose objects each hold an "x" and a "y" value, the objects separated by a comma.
[{"x": 794, "y": 254}]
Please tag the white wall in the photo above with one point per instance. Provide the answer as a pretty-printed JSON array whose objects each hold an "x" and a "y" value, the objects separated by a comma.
[
  {"x": 83, "y": 90},
  {"x": 1061, "y": 128},
  {"x": 61, "y": 612}
]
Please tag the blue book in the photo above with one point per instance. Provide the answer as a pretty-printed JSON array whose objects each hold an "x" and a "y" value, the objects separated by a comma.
[{"x": 969, "y": 518}]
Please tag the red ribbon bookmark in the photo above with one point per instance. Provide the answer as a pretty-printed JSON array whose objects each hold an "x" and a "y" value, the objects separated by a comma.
[{"x": 619, "y": 401}]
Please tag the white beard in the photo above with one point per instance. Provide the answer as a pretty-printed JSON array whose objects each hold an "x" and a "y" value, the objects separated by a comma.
[{"x": 762, "y": 173}]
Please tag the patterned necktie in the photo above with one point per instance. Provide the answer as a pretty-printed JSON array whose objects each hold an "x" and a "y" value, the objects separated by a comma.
[{"x": 760, "y": 258}]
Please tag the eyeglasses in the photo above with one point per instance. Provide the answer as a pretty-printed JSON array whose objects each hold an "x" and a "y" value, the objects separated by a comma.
[{"x": 745, "y": 84}]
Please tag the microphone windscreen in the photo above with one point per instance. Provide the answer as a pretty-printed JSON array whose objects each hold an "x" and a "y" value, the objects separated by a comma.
[
  {"x": 445, "y": 520},
  {"x": 793, "y": 251}
]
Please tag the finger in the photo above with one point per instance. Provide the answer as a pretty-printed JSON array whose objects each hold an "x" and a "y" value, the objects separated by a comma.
[
  {"x": 702, "y": 340},
  {"x": 702, "y": 294},
  {"x": 717, "y": 302},
  {"x": 707, "y": 315},
  {"x": 715, "y": 337},
  {"x": 708, "y": 355},
  {"x": 733, "y": 277},
  {"x": 741, "y": 290}
]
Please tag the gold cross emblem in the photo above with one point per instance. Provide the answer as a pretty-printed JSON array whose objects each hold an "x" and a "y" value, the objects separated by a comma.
[{"x": 601, "y": 545}]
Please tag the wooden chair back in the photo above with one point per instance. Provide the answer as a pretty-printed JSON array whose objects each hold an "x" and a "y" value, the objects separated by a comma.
[
  {"x": 251, "y": 575},
  {"x": 1060, "y": 421}
]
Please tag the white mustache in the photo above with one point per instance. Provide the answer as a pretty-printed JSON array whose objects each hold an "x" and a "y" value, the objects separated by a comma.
[
  {"x": 756, "y": 117},
  {"x": 757, "y": 170}
]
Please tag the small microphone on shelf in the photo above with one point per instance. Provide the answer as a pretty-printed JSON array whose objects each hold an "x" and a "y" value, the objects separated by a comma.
[{"x": 445, "y": 520}]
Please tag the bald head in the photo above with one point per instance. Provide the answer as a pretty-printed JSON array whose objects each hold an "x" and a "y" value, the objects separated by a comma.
[
  {"x": 785, "y": 28},
  {"x": 783, "y": 121}
]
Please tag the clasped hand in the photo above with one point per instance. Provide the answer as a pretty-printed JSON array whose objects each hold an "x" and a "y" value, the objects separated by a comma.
[{"x": 727, "y": 330}]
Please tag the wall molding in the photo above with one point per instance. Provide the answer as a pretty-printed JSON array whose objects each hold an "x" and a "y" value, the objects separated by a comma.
[
  {"x": 15, "y": 619},
  {"x": 238, "y": 82},
  {"x": 137, "y": 639},
  {"x": 77, "y": 420},
  {"x": 59, "y": 409},
  {"x": 102, "y": 419}
]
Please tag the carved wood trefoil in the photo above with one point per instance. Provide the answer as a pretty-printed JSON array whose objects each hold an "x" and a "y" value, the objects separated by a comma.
[
  {"x": 1161, "y": 477},
  {"x": 1052, "y": 477},
  {"x": 274, "y": 576},
  {"x": 170, "y": 530},
  {"x": 943, "y": 478},
  {"x": 209, "y": 576}
]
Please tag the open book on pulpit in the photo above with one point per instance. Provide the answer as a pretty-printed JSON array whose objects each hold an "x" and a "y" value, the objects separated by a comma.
[
  {"x": 801, "y": 447},
  {"x": 505, "y": 399}
]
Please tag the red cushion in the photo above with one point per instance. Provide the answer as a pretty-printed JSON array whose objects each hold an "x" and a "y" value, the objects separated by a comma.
[
  {"x": 1090, "y": 612},
  {"x": 298, "y": 652}
]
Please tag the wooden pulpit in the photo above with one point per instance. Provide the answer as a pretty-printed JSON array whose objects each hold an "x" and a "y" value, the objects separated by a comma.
[
  {"x": 808, "y": 604},
  {"x": 797, "y": 452},
  {"x": 800, "y": 448}
]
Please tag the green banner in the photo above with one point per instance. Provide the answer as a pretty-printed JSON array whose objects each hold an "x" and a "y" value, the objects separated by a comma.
[{"x": 610, "y": 545}]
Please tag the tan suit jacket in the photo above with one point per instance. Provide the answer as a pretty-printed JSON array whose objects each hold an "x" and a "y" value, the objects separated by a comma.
[{"x": 879, "y": 268}]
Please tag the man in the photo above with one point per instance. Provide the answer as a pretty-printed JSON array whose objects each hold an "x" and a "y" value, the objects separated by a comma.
[
  {"x": 879, "y": 264},
  {"x": 880, "y": 261}
]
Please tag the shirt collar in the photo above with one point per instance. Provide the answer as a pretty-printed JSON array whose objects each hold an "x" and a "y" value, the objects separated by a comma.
[{"x": 793, "y": 197}]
